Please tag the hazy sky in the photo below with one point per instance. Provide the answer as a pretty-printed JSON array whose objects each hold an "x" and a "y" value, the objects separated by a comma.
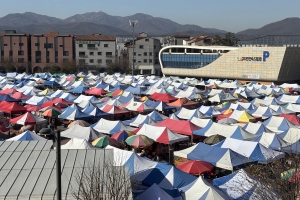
[{"x": 228, "y": 15}]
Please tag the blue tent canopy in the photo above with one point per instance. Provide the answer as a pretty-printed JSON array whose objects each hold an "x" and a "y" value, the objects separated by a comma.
[
  {"x": 51, "y": 83},
  {"x": 80, "y": 89},
  {"x": 95, "y": 111},
  {"x": 8, "y": 98},
  {"x": 73, "y": 113}
]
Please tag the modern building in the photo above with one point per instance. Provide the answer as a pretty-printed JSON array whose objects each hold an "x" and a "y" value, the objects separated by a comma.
[
  {"x": 95, "y": 51},
  {"x": 51, "y": 49},
  {"x": 14, "y": 50},
  {"x": 280, "y": 63},
  {"x": 178, "y": 39},
  {"x": 146, "y": 52}
]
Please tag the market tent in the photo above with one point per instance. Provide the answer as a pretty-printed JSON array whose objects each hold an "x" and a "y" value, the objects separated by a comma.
[
  {"x": 95, "y": 112},
  {"x": 139, "y": 121},
  {"x": 222, "y": 98},
  {"x": 155, "y": 116},
  {"x": 110, "y": 127},
  {"x": 84, "y": 97},
  {"x": 201, "y": 189},
  {"x": 137, "y": 106},
  {"x": 278, "y": 124},
  {"x": 73, "y": 113},
  {"x": 68, "y": 97},
  {"x": 184, "y": 113},
  {"x": 214, "y": 92},
  {"x": 36, "y": 100},
  {"x": 158, "y": 105},
  {"x": 12, "y": 107},
  {"x": 227, "y": 121},
  {"x": 281, "y": 109},
  {"x": 111, "y": 109},
  {"x": 227, "y": 131},
  {"x": 183, "y": 102},
  {"x": 201, "y": 122},
  {"x": 51, "y": 83},
  {"x": 219, "y": 157},
  {"x": 154, "y": 192},
  {"x": 8, "y": 98},
  {"x": 293, "y": 107},
  {"x": 96, "y": 91},
  {"x": 179, "y": 126},
  {"x": 241, "y": 185},
  {"x": 20, "y": 96},
  {"x": 247, "y": 106},
  {"x": 77, "y": 131},
  {"x": 79, "y": 89},
  {"x": 256, "y": 128},
  {"x": 264, "y": 112},
  {"x": 27, "y": 119},
  {"x": 291, "y": 135},
  {"x": 292, "y": 118},
  {"x": 249, "y": 94},
  {"x": 252, "y": 150},
  {"x": 161, "y": 134},
  {"x": 242, "y": 116},
  {"x": 165, "y": 97},
  {"x": 214, "y": 139},
  {"x": 149, "y": 172},
  {"x": 271, "y": 141},
  {"x": 56, "y": 101},
  {"x": 258, "y": 102},
  {"x": 27, "y": 135},
  {"x": 76, "y": 143},
  {"x": 8, "y": 91},
  {"x": 289, "y": 98},
  {"x": 209, "y": 111}
]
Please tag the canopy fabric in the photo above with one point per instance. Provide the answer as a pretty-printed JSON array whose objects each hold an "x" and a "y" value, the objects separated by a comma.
[
  {"x": 95, "y": 112},
  {"x": 235, "y": 132},
  {"x": 27, "y": 135},
  {"x": 201, "y": 189},
  {"x": 242, "y": 116},
  {"x": 19, "y": 96},
  {"x": 292, "y": 118},
  {"x": 201, "y": 122},
  {"x": 183, "y": 102},
  {"x": 293, "y": 107},
  {"x": 292, "y": 135},
  {"x": 222, "y": 98},
  {"x": 252, "y": 150},
  {"x": 76, "y": 143},
  {"x": 278, "y": 124},
  {"x": 289, "y": 98},
  {"x": 12, "y": 107},
  {"x": 219, "y": 157},
  {"x": 155, "y": 116},
  {"x": 111, "y": 109},
  {"x": 55, "y": 101},
  {"x": 241, "y": 185},
  {"x": 36, "y": 100},
  {"x": 8, "y": 98},
  {"x": 138, "y": 106},
  {"x": 209, "y": 111},
  {"x": 27, "y": 119},
  {"x": 110, "y": 127},
  {"x": 256, "y": 128},
  {"x": 79, "y": 89},
  {"x": 96, "y": 91},
  {"x": 154, "y": 192},
  {"x": 77, "y": 131},
  {"x": 196, "y": 167},
  {"x": 214, "y": 139},
  {"x": 161, "y": 134},
  {"x": 227, "y": 121},
  {"x": 79, "y": 122},
  {"x": 73, "y": 113},
  {"x": 184, "y": 113},
  {"x": 271, "y": 141},
  {"x": 139, "y": 121},
  {"x": 179, "y": 126},
  {"x": 264, "y": 112},
  {"x": 164, "y": 97}
]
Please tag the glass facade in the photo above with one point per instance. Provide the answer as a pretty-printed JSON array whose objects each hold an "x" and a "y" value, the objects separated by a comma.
[{"x": 190, "y": 61}]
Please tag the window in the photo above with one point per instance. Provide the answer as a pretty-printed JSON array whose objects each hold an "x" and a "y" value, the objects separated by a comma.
[
  {"x": 5, "y": 45},
  {"x": 141, "y": 46},
  {"x": 99, "y": 53},
  {"x": 99, "y": 61},
  {"x": 2, "y": 53},
  {"x": 48, "y": 45},
  {"x": 47, "y": 53},
  {"x": 145, "y": 53},
  {"x": 150, "y": 60},
  {"x": 61, "y": 45},
  {"x": 80, "y": 45},
  {"x": 81, "y": 61},
  {"x": 154, "y": 46},
  {"x": 139, "y": 61},
  {"x": 38, "y": 53},
  {"x": 105, "y": 45},
  {"x": 91, "y": 53},
  {"x": 65, "y": 53},
  {"x": 10, "y": 53},
  {"x": 139, "y": 54},
  {"x": 156, "y": 61},
  {"x": 91, "y": 60},
  {"x": 56, "y": 53},
  {"x": 65, "y": 60},
  {"x": 150, "y": 54},
  {"x": 108, "y": 61},
  {"x": 156, "y": 54},
  {"x": 134, "y": 53},
  {"x": 81, "y": 54},
  {"x": 47, "y": 60},
  {"x": 20, "y": 53},
  {"x": 147, "y": 40},
  {"x": 20, "y": 60},
  {"x": 108, "y": 54},
  {"x": 21, "y": 44},
  {"x": 145, "y": 61},
  {"x": 91, "y": 46}
]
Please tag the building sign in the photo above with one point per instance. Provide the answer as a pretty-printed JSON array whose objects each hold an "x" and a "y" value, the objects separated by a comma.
[
  {"x": 250, "y": 76},
  {"x": 265, "y": 55}
]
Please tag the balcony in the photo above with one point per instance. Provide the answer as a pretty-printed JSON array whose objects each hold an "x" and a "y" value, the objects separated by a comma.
[
  {"x": 83, "y": 56},
  {"x": 92, "y": 48}
]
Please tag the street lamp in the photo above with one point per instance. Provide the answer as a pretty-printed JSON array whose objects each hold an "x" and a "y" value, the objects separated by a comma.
[
  {"x": 56, "y": 134},
  {"x": 133, "y": 23}
]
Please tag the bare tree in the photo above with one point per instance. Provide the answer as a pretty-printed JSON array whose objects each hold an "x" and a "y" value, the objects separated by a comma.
[{"x": 102, "y": 181}]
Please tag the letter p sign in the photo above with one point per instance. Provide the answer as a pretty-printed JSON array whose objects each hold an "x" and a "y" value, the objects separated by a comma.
[{"x": 266, "y": 55}]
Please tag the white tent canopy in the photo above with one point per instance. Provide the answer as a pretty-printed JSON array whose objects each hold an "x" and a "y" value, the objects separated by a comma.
[
  {"x": 80, "y": 132},
  {"x": 76, "y": 143}
]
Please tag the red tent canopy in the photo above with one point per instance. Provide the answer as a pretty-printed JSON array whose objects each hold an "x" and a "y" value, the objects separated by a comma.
[
  {"x": 179, "y": 126},
  {"x": 55, "y": 101},
  {"x": 167, "y": 98},
  {"x": 8, "y": 91},
  {"x": 183, "y": 102},
  {"x": 96, "y": 91},
  {"x": 291, "y": 118},
  {"x": 111, "y": 109},
  {"x": 20, "y": 96},
  {"x": 195, "y": 167},
  {"x": 32, "y": 108},
  {"x": 26, "y": 119},
  {"x": 224, "y": 116},
  {"x": 13, "y": 107}
]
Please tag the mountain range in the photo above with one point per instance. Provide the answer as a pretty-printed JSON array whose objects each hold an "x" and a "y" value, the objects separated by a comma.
[{"x": 100, "y": 22}]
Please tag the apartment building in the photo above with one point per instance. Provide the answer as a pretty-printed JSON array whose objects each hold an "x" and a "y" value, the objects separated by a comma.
[
  {"x": 51, "y": 49},
  {"x": 95, "y": 51},
  {"x": 146, "y": 51},
  {"x": 14, "y": 51}
]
